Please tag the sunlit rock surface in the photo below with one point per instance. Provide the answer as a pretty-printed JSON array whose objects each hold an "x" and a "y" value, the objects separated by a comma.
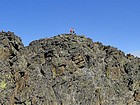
[{"x": 66, "y": 70}]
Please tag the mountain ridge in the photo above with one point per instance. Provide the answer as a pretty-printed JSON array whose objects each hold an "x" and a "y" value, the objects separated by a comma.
[{"x": 66, "y": 70}]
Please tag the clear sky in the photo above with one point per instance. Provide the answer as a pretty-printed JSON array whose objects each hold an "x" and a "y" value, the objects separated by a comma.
[{"x": 112, "y": 22}]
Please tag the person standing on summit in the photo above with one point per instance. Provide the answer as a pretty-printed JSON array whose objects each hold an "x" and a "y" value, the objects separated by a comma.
[{"x": 72, "y": 32}]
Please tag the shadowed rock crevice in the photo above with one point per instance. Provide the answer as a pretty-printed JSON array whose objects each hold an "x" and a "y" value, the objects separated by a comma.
[{"x": 66, "y": 70}]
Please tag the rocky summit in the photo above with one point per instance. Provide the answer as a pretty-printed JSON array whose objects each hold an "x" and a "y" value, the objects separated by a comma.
[{"x": 66, "y": 70}]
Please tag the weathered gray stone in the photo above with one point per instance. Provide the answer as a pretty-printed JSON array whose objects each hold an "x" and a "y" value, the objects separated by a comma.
[{"x": 66, "y": 70}]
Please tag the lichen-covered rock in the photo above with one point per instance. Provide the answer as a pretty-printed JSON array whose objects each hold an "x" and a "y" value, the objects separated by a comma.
[{"x": 66, "y": 70}]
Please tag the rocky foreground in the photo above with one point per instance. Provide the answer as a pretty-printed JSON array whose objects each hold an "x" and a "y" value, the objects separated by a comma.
[{"x": 66, "y": 70}]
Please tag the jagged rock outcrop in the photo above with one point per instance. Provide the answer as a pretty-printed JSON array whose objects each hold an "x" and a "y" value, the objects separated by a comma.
[{"x": 66, "y": 70}]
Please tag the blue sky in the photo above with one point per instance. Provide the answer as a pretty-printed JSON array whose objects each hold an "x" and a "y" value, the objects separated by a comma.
[{"x": 112, "y": 22}]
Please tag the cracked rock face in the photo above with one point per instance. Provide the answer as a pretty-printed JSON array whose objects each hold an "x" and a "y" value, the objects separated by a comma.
[{"x": 66, "y": 70}]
